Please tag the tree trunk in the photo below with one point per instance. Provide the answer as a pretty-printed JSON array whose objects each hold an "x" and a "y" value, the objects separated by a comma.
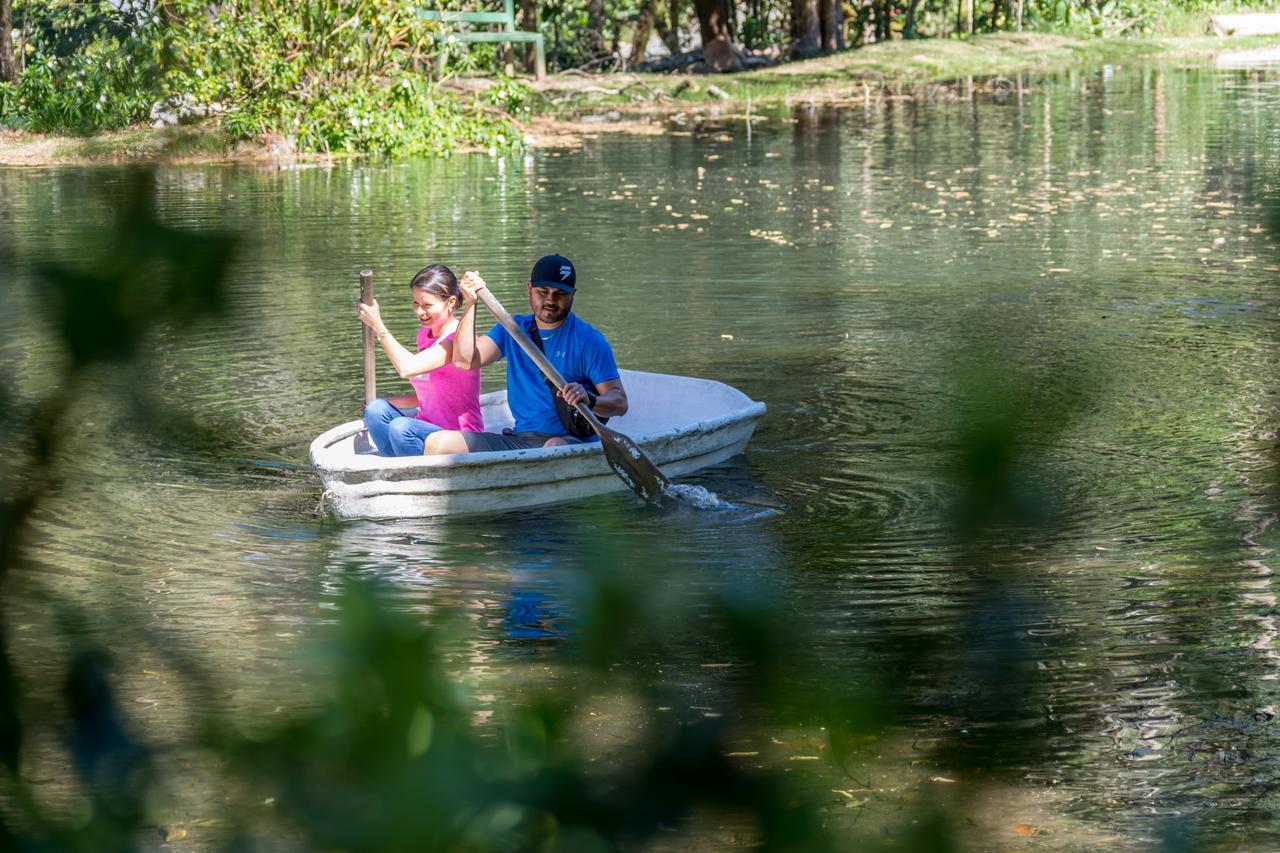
[
  {"x": 672, "y": 36},
  {"x": 831, "y": 17},
  {"x": 717, "y": 35},
  {"x": 595, "y": 28},
  {"x": 713, "y": 20},
  {"x": 644, "y": 26},
  {"x": 528, "y": 20},
  {"x": 660, "y": 23},
  {"x": 8, "y": 64},
  {"x": 806, "y": 29},
  {"x": 909, "y": 29}
]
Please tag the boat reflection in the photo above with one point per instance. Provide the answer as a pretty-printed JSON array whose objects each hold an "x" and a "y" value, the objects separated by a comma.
[{"x": 527, "y": 582}]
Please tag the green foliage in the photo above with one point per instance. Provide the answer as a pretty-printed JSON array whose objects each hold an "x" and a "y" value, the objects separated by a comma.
[
  {"x": 570, "y": 36},
  {"x": 1102, "y": 19},
  {"x": 107, "y": 85},
  {"x": 1109, "y": 18},
  {"x": 91, "y": 66},
  {"x": 390, "y": 755},
  {"x": 63, "y": 27},
  {"x": 394, "y": 755},
  {"x": 9, "y": 117},
  {"x": 335, "y": 76},
  {"x": 757, "y": 33},
  {"x": 152, "y": 276},
  {"x": 355, "y": 76},
  {"x": 387, "y": 752},
  {"x": 1085, "y": 18},
  {"x": 759, "y": 22},
  {"x": 349, "y": 76},
  {"x": 510, "y": 94}
]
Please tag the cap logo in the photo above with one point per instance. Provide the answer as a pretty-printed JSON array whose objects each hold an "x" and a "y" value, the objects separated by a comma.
[{"x": 565, "y": 272}]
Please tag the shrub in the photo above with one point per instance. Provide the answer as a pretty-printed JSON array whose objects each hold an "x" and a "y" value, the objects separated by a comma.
[
  {"x": 90, "y": 65},
  {"x": 9, "y": 116},
  {"x": 335, "y": 75},
  {"x": 344, "y": 76},
  {"x": 108, "y": 85}
]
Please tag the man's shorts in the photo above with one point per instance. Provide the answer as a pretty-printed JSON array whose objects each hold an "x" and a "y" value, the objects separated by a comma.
[{"x": 492, "y": 442}]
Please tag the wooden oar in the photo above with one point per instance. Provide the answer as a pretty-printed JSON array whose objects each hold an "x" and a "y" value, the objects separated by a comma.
[
  {"x": 628, "y": 461},
  {"x": 370, "y": 360}
]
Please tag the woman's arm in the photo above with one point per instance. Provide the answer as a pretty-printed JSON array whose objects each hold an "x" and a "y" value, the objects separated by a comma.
[
  {"x": 470, "y": 353},
  {"x": 406, "y": 363}
]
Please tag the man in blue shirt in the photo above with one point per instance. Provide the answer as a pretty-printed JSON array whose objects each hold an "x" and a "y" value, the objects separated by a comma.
[{"x": 581, "y": 354}]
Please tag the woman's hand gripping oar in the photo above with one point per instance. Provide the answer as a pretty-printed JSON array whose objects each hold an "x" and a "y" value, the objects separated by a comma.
[{"x": 628, "y": 461}]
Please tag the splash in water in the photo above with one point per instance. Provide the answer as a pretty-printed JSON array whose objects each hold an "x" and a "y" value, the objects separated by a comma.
[{"x": 697, "y": 497}]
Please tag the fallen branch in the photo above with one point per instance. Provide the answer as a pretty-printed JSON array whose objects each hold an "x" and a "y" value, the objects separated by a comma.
[{"x": 654, "y": 94}]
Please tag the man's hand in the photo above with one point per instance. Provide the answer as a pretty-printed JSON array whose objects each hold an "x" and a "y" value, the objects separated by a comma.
[
  {"x": 572, "y": 392},
  {"x": 471, "y": 285}
]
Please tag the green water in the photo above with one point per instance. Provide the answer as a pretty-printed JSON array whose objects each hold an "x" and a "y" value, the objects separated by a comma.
[{"x": 1095, "y": 249}]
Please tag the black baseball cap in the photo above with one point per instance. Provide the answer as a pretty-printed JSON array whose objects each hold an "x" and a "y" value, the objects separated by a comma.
[{"x": 554, "y": 271}]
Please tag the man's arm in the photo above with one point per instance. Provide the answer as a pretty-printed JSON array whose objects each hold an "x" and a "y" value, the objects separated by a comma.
[
  {"x": 470, "y": 352},
  {"x": 611, "y": 397}
]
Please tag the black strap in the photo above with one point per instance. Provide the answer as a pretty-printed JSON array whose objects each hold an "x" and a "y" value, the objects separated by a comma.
[{"x": 570, "y": 417}]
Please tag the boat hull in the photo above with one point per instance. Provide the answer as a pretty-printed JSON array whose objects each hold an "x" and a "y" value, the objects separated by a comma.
[{"x": 363, "y": 485}]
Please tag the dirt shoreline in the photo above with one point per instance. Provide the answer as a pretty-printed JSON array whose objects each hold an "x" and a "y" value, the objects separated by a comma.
[{"x": 573, "y": 107}]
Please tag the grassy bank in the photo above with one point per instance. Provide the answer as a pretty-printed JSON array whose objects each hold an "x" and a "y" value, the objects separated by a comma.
[
  {"x": 854, "y": 75},
  {"x": 205, "y": 143},
  {"x": 569, "y": 106}
]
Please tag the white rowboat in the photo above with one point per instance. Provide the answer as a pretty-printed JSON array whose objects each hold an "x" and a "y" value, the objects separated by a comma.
[{"x": 683, "y": 423}]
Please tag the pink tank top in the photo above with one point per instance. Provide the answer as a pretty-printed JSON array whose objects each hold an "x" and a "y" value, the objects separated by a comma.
[{"x": 447, "y": 396}]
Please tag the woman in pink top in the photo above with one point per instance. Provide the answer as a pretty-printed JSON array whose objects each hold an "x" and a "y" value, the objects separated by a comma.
[{"x": 445, "y": 397}]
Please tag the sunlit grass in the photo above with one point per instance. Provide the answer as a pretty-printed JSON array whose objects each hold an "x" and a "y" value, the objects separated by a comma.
[
  {"x": 145, "y": 143},
  {"x": 901, "y": 64}
]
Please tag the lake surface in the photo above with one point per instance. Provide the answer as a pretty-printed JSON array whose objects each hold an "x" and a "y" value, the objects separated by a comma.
[{"x": 1085, "y": 265}]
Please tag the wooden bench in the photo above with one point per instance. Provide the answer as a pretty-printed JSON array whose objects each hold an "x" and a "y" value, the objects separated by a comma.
[{"x": 508, "y": 33}]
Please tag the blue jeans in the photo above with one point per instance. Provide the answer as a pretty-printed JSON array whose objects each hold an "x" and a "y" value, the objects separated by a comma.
[{"x": 396, "y": 433}]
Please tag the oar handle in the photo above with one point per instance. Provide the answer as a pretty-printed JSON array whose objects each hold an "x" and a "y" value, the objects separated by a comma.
[
  {"x": 370, "y": 359},
  {"x": 531, "y": 349}
]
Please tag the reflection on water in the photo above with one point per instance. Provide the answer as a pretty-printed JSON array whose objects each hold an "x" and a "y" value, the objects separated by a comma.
[{"x": 1107, "y": 226}]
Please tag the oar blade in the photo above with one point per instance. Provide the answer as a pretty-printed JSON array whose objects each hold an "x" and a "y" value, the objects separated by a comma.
[{"x": 633, "y": 466}]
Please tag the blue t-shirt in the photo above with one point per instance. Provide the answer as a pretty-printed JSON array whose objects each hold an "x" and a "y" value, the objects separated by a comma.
[{"x": 578, "y": 351}]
